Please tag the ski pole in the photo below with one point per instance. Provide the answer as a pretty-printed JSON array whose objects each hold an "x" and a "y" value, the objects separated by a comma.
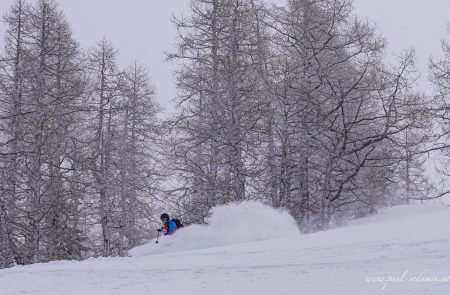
[{"x": 157, "y": 238}]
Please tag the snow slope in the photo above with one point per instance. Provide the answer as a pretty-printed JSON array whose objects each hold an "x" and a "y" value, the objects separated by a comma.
[{"x": 404, "y": 250}]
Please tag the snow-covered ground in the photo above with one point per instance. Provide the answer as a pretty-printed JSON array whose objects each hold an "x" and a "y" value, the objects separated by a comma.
[{"x": 403, "y": 250}]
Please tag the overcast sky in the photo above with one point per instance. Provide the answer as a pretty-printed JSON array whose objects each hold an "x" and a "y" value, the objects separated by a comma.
[{"x": 142, "y": 29}]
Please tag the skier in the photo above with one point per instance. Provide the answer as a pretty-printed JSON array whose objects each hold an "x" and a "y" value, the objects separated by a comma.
[{"x": 169, "y": 226}]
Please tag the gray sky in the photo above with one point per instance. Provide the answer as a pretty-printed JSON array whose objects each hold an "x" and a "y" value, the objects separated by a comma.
[{"x": 142, "y": 29}]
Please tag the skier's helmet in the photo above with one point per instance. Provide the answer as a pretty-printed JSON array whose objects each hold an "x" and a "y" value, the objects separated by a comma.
[{"x": 165, "y": 217}]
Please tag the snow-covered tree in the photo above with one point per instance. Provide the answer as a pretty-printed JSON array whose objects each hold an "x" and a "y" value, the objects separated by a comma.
[
  {"x": 336, "y": 105},
  {"x": 12, "y": 76},
  {"x": 41, "y": 81},
  {"x": 139, "y": 166},
  {"x": 440, "y": 77},
  {"x": 103, "y": 135},
  {"x": 220, "y": 108}
]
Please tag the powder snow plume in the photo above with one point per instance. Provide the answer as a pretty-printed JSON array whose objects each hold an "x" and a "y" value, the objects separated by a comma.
[{"x": 229, "y": 224}]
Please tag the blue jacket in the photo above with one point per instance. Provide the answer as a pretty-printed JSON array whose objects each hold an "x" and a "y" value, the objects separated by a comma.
[{"x": 170, "y": 227}]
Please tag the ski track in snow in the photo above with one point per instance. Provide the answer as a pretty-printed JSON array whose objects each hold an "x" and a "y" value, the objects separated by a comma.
[{"x": 335, "y": 262}]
